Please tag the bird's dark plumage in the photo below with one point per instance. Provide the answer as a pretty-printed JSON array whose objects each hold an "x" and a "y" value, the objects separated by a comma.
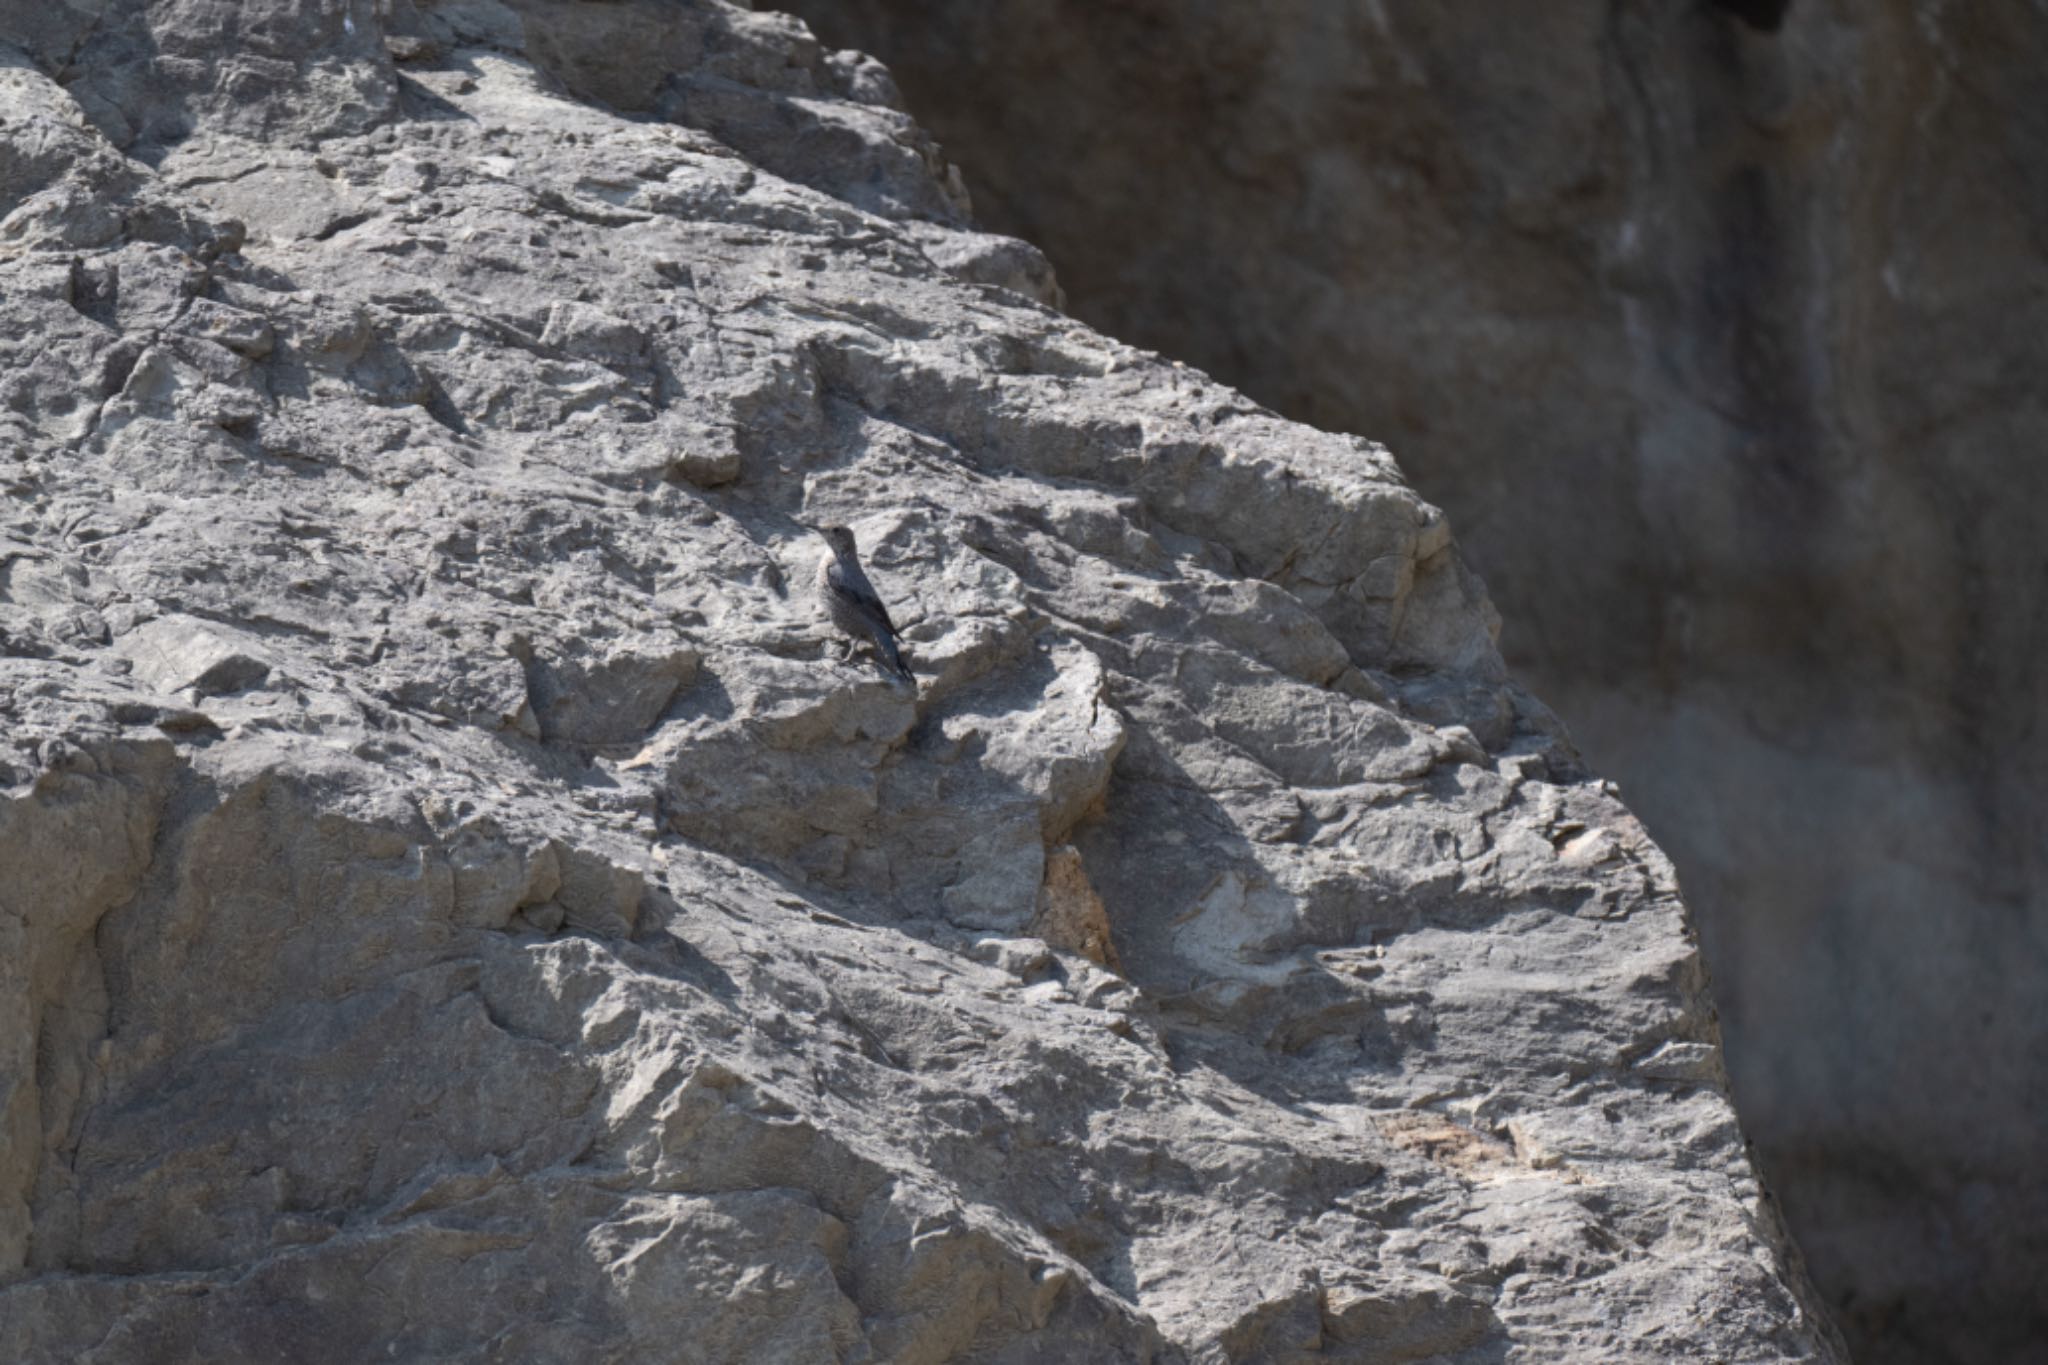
[{"x": 851, "y": 601}]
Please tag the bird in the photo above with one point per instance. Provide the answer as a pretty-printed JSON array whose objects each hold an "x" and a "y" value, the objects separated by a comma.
[{"x": 851, "y": 601}]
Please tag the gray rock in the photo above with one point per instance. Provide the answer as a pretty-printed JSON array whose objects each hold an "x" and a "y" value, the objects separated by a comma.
[
  {"x": 1718, "y": 330},
  {"x": 544, "y": 957},
  {"x": 183, "y": 654}
]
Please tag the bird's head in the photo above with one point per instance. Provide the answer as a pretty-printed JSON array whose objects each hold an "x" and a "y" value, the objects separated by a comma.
[{"x": 840, "y": 538}]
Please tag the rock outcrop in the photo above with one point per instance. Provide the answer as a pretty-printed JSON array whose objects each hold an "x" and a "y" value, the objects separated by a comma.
[
  {"x": 454, "y": 907},
  {"x": 1718, "y": 330}
]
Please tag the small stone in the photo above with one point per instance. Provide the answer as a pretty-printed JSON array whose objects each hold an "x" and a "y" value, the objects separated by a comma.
[{"x": 706, "y": 468}]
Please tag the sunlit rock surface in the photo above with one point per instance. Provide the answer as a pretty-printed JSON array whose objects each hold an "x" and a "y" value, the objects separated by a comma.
[{"x": 454, "y": 905}]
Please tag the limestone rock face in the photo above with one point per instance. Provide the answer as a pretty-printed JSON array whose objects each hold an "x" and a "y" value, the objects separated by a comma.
[
  {"x": 455, "y": 906},
  {"x": 1719, "y": 330}
]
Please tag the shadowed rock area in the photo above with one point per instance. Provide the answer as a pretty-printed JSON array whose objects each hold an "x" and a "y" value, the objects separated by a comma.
[
  {"x": 455, "y": 906},
  {"x": 1718, "y": 329}
]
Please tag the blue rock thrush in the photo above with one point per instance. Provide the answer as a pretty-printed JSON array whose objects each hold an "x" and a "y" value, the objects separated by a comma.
[{"x": 852, "y": 602}]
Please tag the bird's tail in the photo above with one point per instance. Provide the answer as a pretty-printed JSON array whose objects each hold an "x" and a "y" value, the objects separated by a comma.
[{"x": 894, "y": 655}]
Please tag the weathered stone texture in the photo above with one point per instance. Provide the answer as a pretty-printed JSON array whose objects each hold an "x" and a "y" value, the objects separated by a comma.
[
  {"x": 452, "y": 907},
  {"x": 1719, "y": 330}
]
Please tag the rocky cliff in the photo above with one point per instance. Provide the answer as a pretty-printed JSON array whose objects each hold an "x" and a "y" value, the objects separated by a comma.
[
  {"x": 454, "y": 905},
  {"x": 1719, "y": 330}
]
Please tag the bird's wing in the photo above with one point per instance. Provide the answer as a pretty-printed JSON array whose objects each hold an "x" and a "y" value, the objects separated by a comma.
[{"x": 856, "y": 588}]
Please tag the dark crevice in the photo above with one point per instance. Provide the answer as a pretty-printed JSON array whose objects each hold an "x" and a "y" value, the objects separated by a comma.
[{"x": 1765, "y": 16}]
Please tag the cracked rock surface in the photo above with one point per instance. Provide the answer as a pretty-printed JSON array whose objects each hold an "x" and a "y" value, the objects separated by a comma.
[
  {"x": 1719, "y": 331},
  {"x": 454, "y": 905}
]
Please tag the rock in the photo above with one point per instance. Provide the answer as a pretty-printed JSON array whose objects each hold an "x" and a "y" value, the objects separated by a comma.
[
  {"x": 1717, "y": 330},
  {"x": 547, "y": 950},
  {"x": 613, "y": 700},
  {"x": 984, "y": 258},
  {"x": 180, "y": 653},
  {"x": 1071, "y": 916},
  {"x": 707, "y": 468}
]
